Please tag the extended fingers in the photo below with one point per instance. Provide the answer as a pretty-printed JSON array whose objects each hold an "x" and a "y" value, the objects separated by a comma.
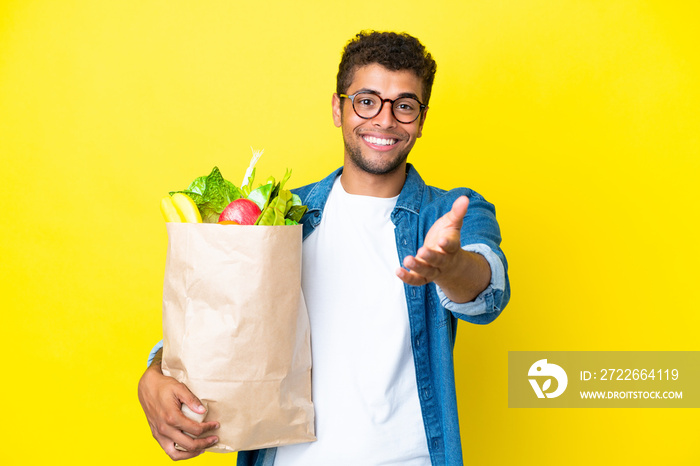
[
  {"x": 419, "y": 271},
  {"x": 441, "y": 256},
  {"x": 430, "y": 263},
  {"x": 449, "y": 241},
  {"x": 426, "y": 264},
  {"x": 411, "y": 278}
]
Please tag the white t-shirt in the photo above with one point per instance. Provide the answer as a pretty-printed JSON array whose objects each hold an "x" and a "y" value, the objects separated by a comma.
[{"x": 363, "y": 377}]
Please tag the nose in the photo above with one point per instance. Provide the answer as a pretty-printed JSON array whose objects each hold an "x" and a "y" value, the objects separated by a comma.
[{"x": 385, "y": 117}]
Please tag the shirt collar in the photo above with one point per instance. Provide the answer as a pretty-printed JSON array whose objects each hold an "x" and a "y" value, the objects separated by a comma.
[
  {"x": 409, "y": 198},
  {"x": 412, "y": 191}
]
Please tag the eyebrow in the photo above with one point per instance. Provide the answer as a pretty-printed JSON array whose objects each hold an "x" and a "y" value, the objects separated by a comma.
[{"x": 400, "y": 96}]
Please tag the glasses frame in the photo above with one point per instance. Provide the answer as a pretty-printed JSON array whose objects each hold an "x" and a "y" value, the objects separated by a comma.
[{"x": 381, "y": 106}]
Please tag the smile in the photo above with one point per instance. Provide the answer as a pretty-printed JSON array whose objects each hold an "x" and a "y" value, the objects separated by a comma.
[{"x": 379, "y": 141}]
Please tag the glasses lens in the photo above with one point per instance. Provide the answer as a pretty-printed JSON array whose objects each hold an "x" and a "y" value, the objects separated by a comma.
[
  {"x": 367, "y": 105},
  {"x": 406, "y": 110}
]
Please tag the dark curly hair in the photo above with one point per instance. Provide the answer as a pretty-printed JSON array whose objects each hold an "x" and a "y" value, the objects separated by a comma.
[{"x": 394, "y": 51}]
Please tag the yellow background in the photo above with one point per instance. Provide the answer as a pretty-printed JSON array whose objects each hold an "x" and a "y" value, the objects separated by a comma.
[{"x": 577, "y": 119}]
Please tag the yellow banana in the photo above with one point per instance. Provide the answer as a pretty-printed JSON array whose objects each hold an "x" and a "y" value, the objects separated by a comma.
[
  {"x": 170, "y": 212},
  {"x": 186, "y": 208}
]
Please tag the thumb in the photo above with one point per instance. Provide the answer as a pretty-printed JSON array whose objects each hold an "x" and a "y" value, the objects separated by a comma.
[
  {"x": 458, "y": 211},
  {"x": 187, "y": 398}
]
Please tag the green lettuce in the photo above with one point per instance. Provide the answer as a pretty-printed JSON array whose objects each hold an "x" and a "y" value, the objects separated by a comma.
[
  {"x": 278, "y": 206},
  {"x": 211, "y": 194}
]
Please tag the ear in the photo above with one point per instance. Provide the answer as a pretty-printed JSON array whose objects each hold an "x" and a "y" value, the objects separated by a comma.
[
  {"x": 336, "y": 111},
  {"x": 421, "y": 121}
]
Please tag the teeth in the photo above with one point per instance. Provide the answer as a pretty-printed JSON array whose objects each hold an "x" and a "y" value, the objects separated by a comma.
[{"x": 380, "y": 141}]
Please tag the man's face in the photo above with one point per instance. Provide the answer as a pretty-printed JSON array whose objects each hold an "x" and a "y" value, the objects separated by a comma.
[{"x": 381, "y": 144}]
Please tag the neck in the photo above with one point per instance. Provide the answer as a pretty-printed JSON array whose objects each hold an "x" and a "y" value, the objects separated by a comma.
[{"x": 357, "y": 181}]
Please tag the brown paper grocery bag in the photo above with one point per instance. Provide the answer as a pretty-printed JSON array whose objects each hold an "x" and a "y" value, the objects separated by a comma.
[{"x": 236, "y": 330}]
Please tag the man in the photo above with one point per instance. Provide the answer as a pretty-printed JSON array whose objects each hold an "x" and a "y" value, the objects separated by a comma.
[{"x": 382, "y": 335}]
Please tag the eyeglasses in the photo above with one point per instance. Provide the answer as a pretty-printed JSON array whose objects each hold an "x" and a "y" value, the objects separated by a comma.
[{"x": 366, "y": 105}]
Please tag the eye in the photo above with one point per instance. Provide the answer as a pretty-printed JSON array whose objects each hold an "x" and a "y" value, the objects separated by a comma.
[
  {"x": 366, "y": 101},
  {"x": 406, "y": 105}
]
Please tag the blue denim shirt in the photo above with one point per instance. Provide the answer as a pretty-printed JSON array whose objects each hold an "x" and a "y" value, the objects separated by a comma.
[{"x": 432, "y": 316}]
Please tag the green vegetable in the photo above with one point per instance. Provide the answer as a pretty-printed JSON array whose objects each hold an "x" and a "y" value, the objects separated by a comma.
[
  {"x": 246, "y": 189},
  {"x": 285, "y": 178},
  {"x": 274, "y": 213},
  {"x": 284, "y": 209},
  {"x": 212, "y": 194},
  {"x": 247, "y": 183},
  {"x": 295, "y": 213},
  {"x": 261, "y": 195}
]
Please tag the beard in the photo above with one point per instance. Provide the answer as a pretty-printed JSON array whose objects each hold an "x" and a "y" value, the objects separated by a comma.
[{"x": 382, "y": 166}]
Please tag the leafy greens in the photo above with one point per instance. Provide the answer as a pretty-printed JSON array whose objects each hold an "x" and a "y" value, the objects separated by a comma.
[{"x": 211, "y": 194}]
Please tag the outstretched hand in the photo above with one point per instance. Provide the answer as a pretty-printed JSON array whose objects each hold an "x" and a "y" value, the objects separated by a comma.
[
  {"x": 460, "y": 274},
  {"x": 439, "y": 254}
]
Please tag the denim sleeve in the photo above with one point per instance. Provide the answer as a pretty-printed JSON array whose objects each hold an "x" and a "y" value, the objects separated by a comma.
[
  {"x": 155, "y": 349},
  {"x": 489, "y": 303}
]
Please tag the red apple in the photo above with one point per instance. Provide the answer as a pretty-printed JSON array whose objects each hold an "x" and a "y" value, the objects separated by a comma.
[{"x": 243, "y": 211}]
